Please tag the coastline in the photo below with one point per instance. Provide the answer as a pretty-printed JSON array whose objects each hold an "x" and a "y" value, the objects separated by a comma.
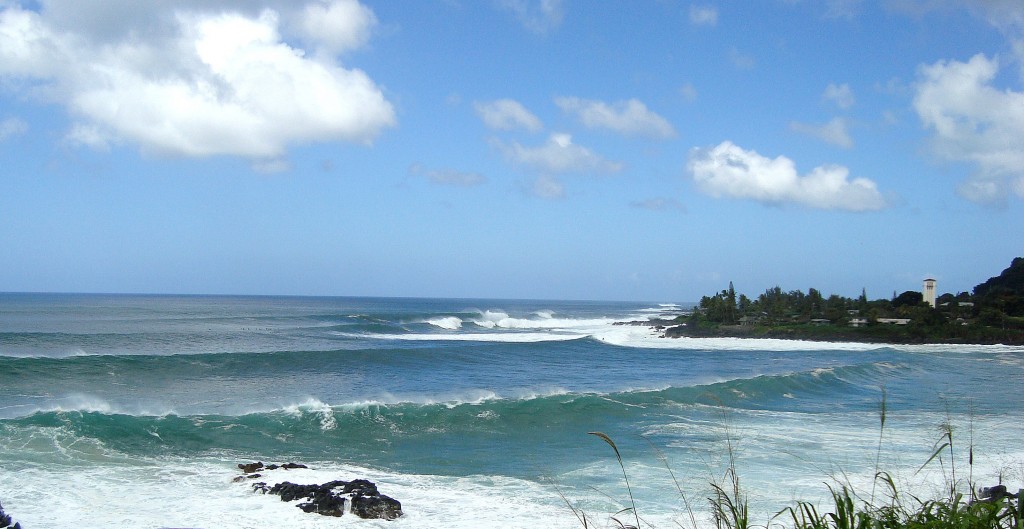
[{"x": 810, "y": 333}]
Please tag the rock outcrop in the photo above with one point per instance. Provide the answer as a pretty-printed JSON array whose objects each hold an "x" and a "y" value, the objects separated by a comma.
[
  {"x": 6, "y": 521},
  {"x": 360, "y": 496}
]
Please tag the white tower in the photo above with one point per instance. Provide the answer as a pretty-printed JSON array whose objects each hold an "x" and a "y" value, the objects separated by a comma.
[{"x": 929, "y": 292}]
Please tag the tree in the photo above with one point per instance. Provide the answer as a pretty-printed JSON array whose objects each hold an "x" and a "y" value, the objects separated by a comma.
[
  {"x": 909, "y": 298},
  {"x": 1004, "y": 292},
  {"x": 730, "y": 301},
  {"x": 815, "y": 302},
  {"x": 744, "y": 304}
]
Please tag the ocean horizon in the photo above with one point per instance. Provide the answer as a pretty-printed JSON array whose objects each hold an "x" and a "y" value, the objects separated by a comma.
[{"x": 134, "y": 410}]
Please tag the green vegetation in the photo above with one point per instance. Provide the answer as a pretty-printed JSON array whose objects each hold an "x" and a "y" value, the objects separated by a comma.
[
  {"x": 993, "y": 313},
  {"x": 990, "y": 508}
]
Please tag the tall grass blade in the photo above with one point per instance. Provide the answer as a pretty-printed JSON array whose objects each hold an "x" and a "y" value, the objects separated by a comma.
[
  {"x": 882, "y": 409},
  {"x": 618, "y": 457}
]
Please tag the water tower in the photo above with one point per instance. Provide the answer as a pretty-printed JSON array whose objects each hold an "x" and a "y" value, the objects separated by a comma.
[{"x": 929, "y": 292}]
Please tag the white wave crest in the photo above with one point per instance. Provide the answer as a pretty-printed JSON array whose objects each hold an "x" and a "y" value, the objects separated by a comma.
[
  {"x": 543, "y": 319},
  {"x": 315, "y": 406},
  {"x": 83, "y": 403},
  {"x": 86, "y": 404},
  {"x": 517, "y": 337},
  {"x": 451, "y": 323}
]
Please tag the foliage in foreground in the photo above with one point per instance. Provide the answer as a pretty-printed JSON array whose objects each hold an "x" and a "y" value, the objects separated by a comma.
[{"x": 992, "y": 508}]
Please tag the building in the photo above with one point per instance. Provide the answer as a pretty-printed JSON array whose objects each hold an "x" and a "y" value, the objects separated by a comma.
[
  {"x": 929, "y": 292},
  {"x": 894, "y": 321}
]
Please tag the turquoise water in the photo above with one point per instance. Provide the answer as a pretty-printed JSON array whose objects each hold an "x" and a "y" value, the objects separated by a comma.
[{"x": 132, "y": 411}]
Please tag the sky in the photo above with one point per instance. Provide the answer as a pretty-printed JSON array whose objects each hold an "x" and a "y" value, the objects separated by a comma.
[{"x": 529, "y": 149}]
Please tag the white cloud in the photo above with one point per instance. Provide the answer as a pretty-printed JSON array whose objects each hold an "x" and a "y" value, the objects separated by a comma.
[
  {"x": 558, "y": 155},
  {"x": 538, "y": 16},
  {"x": 974, "y": 122},
  {"x": 703, "y": 15},
  {"x": 727, "y": 170},
  {"x": 833, "y": 132},
  {"x": 507, "y": 114},
  {"x": 841, "y": 95},
  {"x": 627, "y": 117},
  {"x": 338, "y": 25},
  {"x": 11, "y": 127},
  {"x": 197, "y": 78}
]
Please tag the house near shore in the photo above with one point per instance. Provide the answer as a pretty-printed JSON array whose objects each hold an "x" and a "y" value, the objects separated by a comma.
[
  {"x": 858, "y": 322},
  {"x": 894, "y": 321}
]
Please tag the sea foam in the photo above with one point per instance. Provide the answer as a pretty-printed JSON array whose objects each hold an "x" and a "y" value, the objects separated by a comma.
[{"x": 451, "y": 323}]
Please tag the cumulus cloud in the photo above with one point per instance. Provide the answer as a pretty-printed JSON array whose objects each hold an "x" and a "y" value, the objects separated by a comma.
[
  {"x": 558, "y": 155},
  {"x": 11, "y": 127},
  {"x": 703, "y": 15},
  {"x": 198, "y": 78},
  {"x": 974, "y": 122},
  {"x": 833, "y": 132},
  {"x": 538, "y": 16},
  {"x": 730, "y": 171},
  {"x": 841, "y": 95},
  {"x": 630, "y": 117},
  {"x": 337, "y": 26},
  {"x": 507, "y": 114}
]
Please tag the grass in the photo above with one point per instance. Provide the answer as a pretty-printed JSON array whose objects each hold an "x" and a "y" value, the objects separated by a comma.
[{"x": 886, "y": 507}]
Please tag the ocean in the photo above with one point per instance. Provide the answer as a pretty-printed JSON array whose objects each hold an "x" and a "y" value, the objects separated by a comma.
[{"x": 135, "y": 410}]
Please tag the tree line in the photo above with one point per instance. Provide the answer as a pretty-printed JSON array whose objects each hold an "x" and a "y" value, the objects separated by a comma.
[{"x": 992, "y": 312}]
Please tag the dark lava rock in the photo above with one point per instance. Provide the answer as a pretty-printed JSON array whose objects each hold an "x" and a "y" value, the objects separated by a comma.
[
  {"x": 249, "y": 468},
  {"x": 380, "y": 506},
  {"x": 330, "y": 499},
  {"x": 990, "y": 494},
  {"x": 6, "y": 521}
]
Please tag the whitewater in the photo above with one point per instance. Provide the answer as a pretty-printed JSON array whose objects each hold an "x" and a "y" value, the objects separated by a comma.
[{"x": 134, "y": 411}]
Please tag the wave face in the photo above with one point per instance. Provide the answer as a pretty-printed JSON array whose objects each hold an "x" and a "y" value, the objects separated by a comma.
[
  {"x": 373, "y": 431},
  {"x": 488, "y": 399}
]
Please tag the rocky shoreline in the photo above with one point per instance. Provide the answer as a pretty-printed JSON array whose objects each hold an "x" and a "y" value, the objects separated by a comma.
[
  {"x": 675, "y": 329},
  {"x": 334, "y": 498},
  {"x": 6, "y": 521}
]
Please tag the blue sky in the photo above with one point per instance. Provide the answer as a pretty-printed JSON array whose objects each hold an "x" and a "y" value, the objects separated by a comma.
[{"x": 552, "y": 149}]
